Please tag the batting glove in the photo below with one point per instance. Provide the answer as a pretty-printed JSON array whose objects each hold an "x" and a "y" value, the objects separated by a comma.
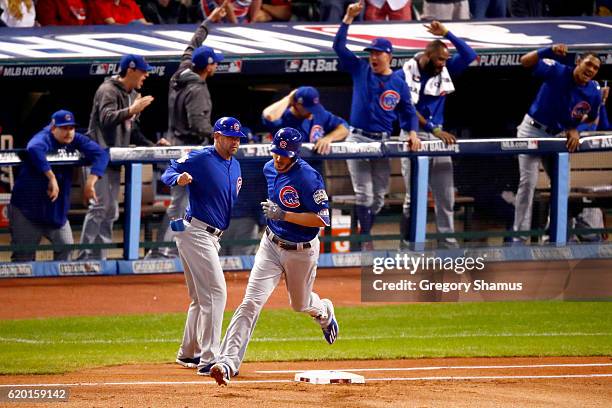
[{"x": 272, "y": 211}]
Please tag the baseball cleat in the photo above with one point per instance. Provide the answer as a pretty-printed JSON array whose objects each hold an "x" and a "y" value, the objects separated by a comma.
[
  {"x": 331, "y": 331},
  {"x": 221, "y": 373},
  {"x": 205, "y": 370},
  {"x": 188, "y": 362}
]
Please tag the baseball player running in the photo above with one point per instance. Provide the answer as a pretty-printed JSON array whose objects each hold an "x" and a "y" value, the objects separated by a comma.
[
  {"x": 379, "y": 98},
  {"x": 429, "y": 77},
  {"x": 567, "y": 98},
  {"x": 213, "y": 178},
  {"x": 296, "y": 208}
]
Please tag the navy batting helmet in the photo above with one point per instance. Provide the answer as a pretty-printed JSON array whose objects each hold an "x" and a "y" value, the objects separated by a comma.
[
  {"x": 287, "y": 142},
  {"x": 229, "y": 126}
]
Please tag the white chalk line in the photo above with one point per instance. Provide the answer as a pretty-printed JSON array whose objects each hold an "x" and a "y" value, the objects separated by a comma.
[
  {"x": 445, "y": 378},
  {"x": 473, "y": 367},
  {"x": 313, "y": 338}
]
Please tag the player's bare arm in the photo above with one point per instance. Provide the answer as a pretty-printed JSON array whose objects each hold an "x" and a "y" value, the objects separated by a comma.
[
  {"x": 89, "y": 191},
  {"x": 53, "y": 187},
  {"x": 140, "y": 104},
  {"x": 446, "y": 137},
  {"x": 531, "y": 58},
  {"x": 413, "y": 141},
  {"x": 275, "y": 111},
  {"x": 323, "y": 145},
  {"x": 573, "y": 140},
  {"x": 184, "y": 179},
  {"x": 219, "y": 12},
  {"x": 352, "y": 11},
  {"x": 436, "y": 28}
]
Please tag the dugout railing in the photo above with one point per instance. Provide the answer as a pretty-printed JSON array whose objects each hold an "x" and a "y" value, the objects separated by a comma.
[{"x": 134, "y": 158}]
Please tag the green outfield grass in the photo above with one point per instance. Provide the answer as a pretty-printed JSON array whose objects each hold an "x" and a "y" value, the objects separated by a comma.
[{"x": 373, "y": 332}]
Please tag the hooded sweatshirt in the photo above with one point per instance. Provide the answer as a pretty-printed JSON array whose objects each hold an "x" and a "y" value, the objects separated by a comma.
[
  {"x": 110, "y": 125},
  {"x": 189, "y": 102}
]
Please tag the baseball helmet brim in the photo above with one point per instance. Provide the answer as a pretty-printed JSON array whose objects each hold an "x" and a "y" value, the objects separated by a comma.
[
  {"x": 283, "y": 152},
  {"x": 233, "y": 133}
]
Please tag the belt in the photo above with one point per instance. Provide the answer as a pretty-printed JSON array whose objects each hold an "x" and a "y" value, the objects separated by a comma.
[
  {"x": 289, "y": 246},
  {"x": 208, "y": 228},
  {"x": 371, "y": 135},
  {"x": 542, "y": 127}
]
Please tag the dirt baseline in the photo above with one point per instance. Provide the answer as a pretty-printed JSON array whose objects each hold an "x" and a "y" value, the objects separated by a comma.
[{"x": 474, "y": 382}]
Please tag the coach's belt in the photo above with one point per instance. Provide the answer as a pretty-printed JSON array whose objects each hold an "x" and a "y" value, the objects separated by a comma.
[
  {"x": 290, "y": 246},
  {"x": 208, "y": 228},
  {"x": 371, "y": 135},
  {"x": 542, "y": 127}
]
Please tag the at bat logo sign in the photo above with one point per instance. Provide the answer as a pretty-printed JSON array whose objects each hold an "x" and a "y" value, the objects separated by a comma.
[{"x": 289, "y": 197}]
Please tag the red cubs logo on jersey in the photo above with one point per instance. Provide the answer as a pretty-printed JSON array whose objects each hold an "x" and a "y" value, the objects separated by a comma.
[
  {"x": 581, "y": 111},
  {"x": 238, "y": 184},
  {"x": 316, "y": 133},
  {"x": 289, "y": 197},
  {"x": 389, "y": 100}
]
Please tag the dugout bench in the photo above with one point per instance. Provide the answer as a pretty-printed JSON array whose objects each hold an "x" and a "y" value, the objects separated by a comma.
[
  {"x": 151, "y": 210},
  {"x": 590, "y": 186},
  {"x": 340, "y": 191}
]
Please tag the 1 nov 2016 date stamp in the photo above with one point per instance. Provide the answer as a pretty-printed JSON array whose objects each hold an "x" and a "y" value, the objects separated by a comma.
[{"x": 33, "y": 394}]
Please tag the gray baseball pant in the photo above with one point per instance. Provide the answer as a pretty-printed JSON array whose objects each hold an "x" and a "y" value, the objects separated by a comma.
[
  {"x": 370, "y": 177},
  {"x": 199, "y": 254},
  {"x": 25, "y": 232},
  {"x": 441, "y": 184},
  {"x": 271, "y": 261},
  {"x": 529, "y": 168},
  {"x": 98, "y": 224}
]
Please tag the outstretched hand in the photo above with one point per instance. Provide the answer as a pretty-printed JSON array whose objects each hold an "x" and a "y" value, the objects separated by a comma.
[
  {"x": 219, "y": 12},
  {"x": 436, "y": 28},
  {"x": 353, "y": 10}
]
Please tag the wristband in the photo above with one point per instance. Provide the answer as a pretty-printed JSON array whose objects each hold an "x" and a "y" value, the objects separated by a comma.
[
  {"x": 546, "y": 53},
  {"x": 430, "y": 126}
]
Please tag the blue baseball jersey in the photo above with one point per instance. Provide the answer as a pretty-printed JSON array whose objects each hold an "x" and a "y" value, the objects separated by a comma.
[
  {"x": 311, "y": 129},
  {"x": 431, "y": 107},
  {"x": 378, "y": 100},
  {"x": 214, "y": 188},
  {"x": 299, "y": 190},
  {"x": 30, "y": 190},
  {"x": 561, "y": 103},
  {"x": 252, "y": 192}
]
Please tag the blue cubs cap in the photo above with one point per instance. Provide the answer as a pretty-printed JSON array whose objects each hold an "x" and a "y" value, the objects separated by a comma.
[
  {"x": 134, "y": 61},
  {"x": 287, "y": 142},
  {"x": 230, "y": 127},
  {"x": 62, "y": 118},
  {"x": 203, "y": 56},
  {"x": 308, "y": 97},
  {"x": 380, "y": 44}
]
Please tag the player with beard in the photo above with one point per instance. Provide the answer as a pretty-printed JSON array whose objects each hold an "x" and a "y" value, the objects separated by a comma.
[{"x": 429, "y": 76}]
